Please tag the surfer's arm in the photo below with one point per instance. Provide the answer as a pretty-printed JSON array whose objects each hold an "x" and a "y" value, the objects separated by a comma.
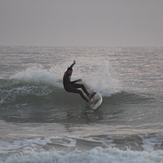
[
  {"x": 78, "y": 80},
  {"x": 73, "y": 64}
]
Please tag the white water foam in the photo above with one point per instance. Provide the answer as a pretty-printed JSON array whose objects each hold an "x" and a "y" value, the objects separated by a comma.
[
  {"x": 96, "y": 155},
  {"x": 61, "y": 149},
  {"x": 150, "y": 143},
  {"x": 37, "y": 74}
]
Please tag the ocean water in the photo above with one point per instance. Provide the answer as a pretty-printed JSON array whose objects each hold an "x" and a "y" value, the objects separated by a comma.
[{"x": 40, "y": 122}]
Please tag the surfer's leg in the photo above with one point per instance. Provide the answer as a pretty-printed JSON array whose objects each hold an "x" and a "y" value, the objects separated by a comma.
[
  {"x": 73, "y": 90},
  {"x": 82, "y": 87},
  {"x": 81, "y": 94}
]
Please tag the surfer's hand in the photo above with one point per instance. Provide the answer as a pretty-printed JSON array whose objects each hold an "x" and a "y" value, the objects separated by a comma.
[
  {"x": 79, "y": 80},
  {"x": 74, "y": 62}
]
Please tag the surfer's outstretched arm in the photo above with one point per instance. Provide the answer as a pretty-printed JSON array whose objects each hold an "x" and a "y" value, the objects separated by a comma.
[
  {"x": 73, "y": 64},
  {"x": 78, "y": 80}
]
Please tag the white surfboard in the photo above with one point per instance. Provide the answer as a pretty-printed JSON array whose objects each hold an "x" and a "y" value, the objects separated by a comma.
[{"x": 97, "y": 100}]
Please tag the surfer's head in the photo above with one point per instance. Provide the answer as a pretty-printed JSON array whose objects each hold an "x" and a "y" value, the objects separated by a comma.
[{"x": 69, "y": 70}]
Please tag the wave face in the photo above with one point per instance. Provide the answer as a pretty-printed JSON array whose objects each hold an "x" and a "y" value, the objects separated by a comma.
[{"x": 31, "y": 97}]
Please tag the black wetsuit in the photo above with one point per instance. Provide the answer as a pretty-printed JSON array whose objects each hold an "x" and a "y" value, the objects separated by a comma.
[{"x": 71, "y": 86}]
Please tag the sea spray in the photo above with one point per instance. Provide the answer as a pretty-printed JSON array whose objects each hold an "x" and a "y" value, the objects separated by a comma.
[
  {"x": 99, "y": 78},
  {"x": 36, "y": 74},
  {"x": 106, "y": 84}
]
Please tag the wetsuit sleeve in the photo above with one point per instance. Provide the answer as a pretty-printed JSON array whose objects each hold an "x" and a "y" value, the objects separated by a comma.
[
  {"x": 72, "y": 82},
  {"x": 72, "y": 65}
]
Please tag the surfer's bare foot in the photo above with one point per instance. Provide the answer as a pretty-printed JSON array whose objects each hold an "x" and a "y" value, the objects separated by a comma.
[
  {"x": 91, "y": 95},
  {"x": 90, "y": 102}
]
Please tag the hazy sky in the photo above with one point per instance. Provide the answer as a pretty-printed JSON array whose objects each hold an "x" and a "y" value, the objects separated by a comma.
[{"x": 81, "y": 22}]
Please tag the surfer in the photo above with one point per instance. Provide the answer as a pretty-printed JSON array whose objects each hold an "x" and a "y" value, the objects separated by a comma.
[{"x": 71, "y": 86}]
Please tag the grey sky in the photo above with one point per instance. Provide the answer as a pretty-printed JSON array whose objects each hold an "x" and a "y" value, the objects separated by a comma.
[{"x": 81, "y": 22}]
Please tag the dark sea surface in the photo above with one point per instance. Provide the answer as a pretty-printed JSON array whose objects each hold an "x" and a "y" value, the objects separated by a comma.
[{"x": 40, "y": 122}]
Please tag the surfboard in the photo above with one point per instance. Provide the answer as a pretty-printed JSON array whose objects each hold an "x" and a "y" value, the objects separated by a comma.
[{"x": 97, "y": 101}]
